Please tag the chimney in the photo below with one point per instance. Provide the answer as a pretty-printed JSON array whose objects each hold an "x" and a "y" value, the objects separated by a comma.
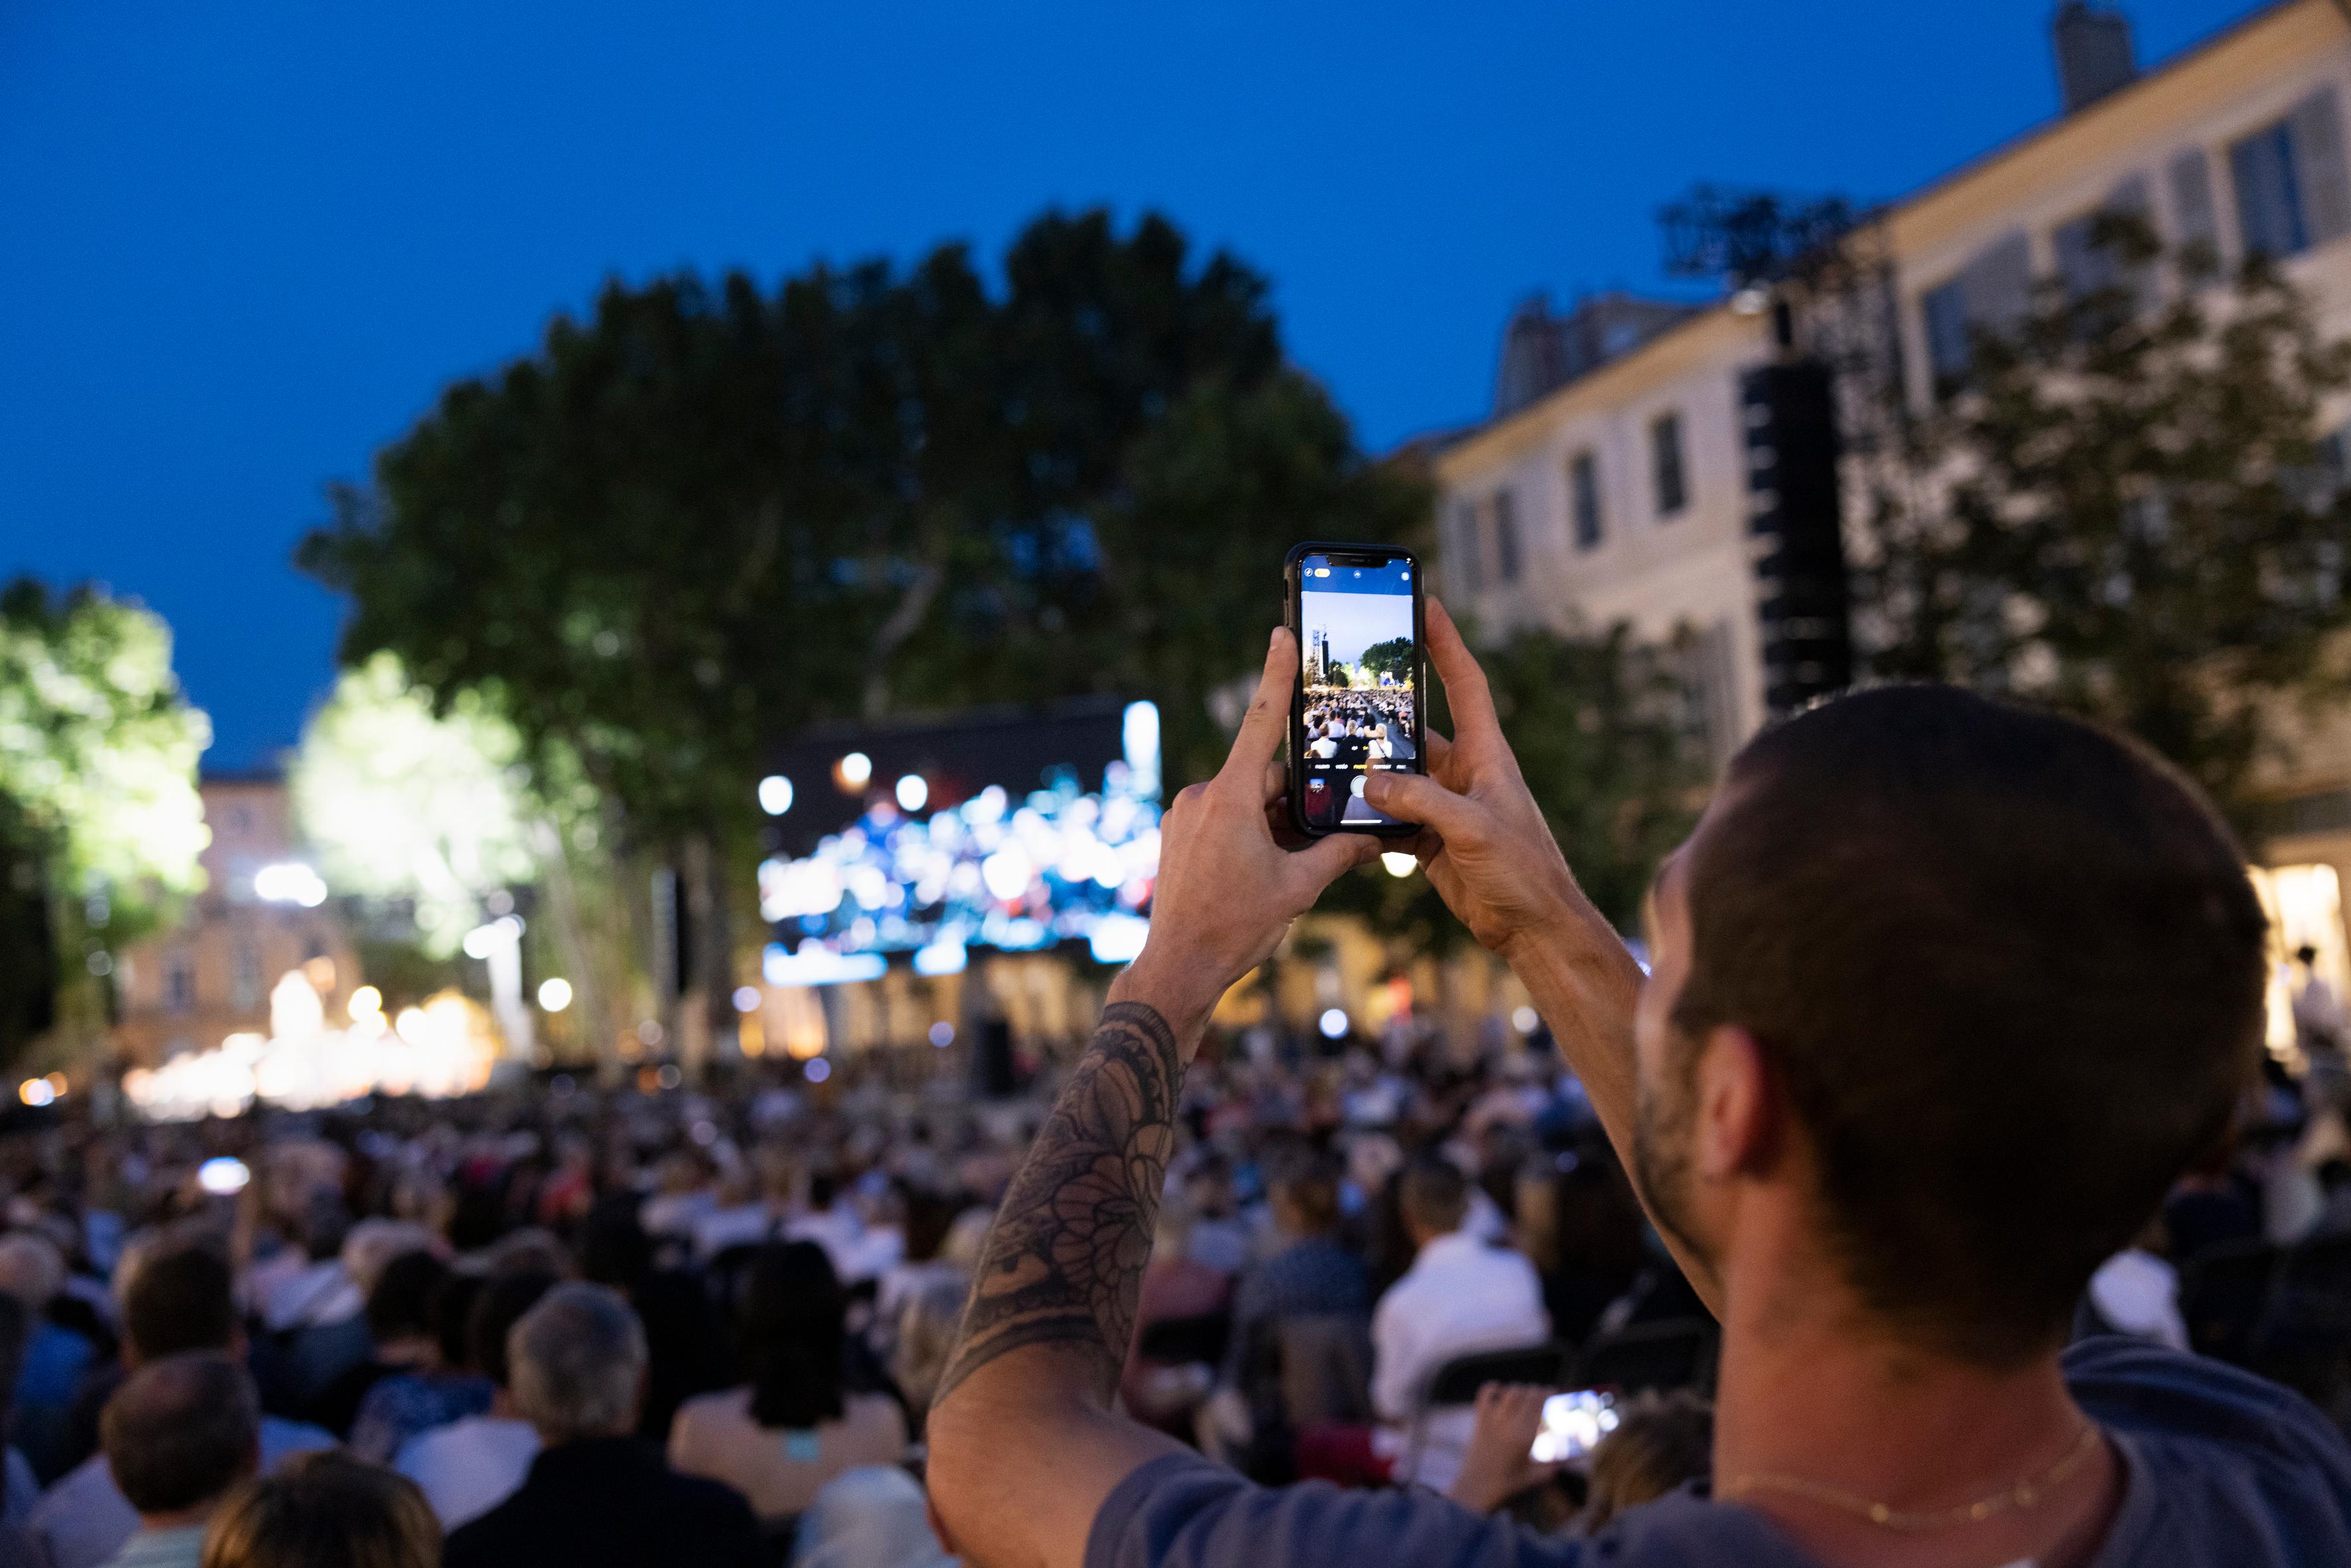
[{"x": 2094, "y": 53}]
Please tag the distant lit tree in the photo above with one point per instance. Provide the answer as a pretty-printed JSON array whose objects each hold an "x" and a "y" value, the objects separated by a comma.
[
  {"x": 1392, "y": 658},
  {"x": 98, "y": 783},
  {"x": 440, "y": 811},
  {"x": 2124, "y": 508}
]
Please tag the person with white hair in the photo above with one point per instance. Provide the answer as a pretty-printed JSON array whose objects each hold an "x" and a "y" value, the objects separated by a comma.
[
  {"x": 55, "y": 1358},
  {"x": 596, "y": 1494}
]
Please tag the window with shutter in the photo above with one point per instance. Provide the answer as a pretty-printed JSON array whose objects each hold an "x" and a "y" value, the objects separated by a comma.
[
  {"x": 1992, "y": 294},
  {"x": 1506, "y": 536},
  {"x": 1584, "y": 500},
  {"x": 2194, "y": 219},
  {"x": 1666, "y": 455},
  {"x": 2320, "y": 177},
  {"x": 2269, "y": 206},
  {"x": 1948, "y": 350},
  {"x": 1465, "y": 544}
]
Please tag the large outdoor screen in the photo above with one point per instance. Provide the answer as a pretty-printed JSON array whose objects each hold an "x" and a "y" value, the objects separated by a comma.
[{"x": 1016, "y": 865}]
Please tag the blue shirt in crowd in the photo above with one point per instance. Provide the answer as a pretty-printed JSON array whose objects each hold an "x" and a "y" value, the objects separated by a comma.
[{"x": 2219, "y": 1467}]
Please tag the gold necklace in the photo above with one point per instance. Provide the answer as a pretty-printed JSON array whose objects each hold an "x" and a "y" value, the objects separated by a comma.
[{"x": 2024, "y": 1494}]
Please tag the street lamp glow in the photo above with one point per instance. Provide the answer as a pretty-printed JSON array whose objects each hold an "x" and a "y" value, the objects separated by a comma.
[
  {"x": 854, "y": 769},
  {"x": 289, "y": 882},
  {"x": 1334, "y": 1023},
  {"x": 554, "y": 994},
  {"x": 912, "y": 792},
  {"x": 484, "y": 940},
  {"x": 1398, "y": 863},
  {"x": 774, "y": 794}
]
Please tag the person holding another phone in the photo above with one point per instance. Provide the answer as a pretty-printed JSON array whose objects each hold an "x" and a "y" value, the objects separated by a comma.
[{"x": 1945, "y": 995}]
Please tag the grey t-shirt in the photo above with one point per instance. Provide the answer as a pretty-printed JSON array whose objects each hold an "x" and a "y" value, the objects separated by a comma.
[{"x": 2219, "y": 1466}]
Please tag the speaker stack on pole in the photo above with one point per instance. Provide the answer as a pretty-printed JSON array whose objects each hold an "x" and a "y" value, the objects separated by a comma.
[{"x": 1795, "y": 531}]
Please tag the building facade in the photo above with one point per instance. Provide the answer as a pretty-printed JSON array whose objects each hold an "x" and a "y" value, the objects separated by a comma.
[
  {"x": 262, "y": 913},
  {"x": 1629, "y": 490}
]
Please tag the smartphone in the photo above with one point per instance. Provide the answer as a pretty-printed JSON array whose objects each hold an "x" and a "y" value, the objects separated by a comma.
[
  {"x": 1573, "y": 1424},
  {"x": 1357, "y": 709}
]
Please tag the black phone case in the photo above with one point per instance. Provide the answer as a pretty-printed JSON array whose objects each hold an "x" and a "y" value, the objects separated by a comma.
[{"x": 1292, "y": 585}]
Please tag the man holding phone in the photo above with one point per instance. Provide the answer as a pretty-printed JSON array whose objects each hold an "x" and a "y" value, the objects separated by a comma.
[{"x": 1945, "y": 995}]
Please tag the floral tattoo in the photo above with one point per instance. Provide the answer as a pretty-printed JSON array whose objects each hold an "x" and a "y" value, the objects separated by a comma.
[{"x": 1064, "y": 1260}]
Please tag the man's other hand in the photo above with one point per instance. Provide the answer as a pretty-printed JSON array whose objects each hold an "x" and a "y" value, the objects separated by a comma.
[
  {"x": 1484, "y": 843},
  {"x": 1229, "y": 887}
]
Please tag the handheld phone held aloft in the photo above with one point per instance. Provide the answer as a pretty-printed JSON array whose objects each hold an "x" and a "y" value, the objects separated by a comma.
[
  {"x": 1573, "y": 1424},
  {"x": 1355, "y": 611}
]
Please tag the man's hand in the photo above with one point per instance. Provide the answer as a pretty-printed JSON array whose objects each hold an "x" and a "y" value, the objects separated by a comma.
[
  {"x": 1486, "y": 847},
  {"x": 1229, "y": 884},
  {"x": 1491, "y": 855},
  {"x": 1499, "y": 1463}
]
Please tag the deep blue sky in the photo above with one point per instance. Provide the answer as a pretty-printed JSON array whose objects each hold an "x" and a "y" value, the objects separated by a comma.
[{"x": 244, "y": 246}]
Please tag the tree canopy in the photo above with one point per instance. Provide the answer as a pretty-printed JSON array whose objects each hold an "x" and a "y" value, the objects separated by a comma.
[
  {"x": 2125, "y": 509},
  {"x": 709, "y": 515},
  {"x": 98, "y": 778}
]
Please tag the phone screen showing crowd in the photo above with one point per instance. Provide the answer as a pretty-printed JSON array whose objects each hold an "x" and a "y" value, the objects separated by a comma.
[{"x": 1355, "y": 634}]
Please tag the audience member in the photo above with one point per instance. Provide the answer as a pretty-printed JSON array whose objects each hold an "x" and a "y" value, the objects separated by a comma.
[
  {"x": 433, "y": 1384},
  {"x": 325, "y": 1511},
  {"x": 55, "y": 1358},
  {"x": 476, "y": 1462},
  {"x": 173, "y": 1301},
  {"x": 597, "y": 1496},
  {"x": 402, "y": 1346},
  {"x": 794, "y": 1426},
  {"x": 179, "y": 1434},
  {"x": 1460, "y": 1295},
  {"x": 1661, "y": 1444}
]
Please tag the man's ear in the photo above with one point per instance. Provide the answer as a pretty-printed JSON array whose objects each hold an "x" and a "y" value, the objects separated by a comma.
[{"x": 1738, "y": 1115}]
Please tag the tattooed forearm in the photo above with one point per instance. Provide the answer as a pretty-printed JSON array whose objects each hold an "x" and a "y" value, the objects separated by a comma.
[{"x": 1064, "y": 1261}]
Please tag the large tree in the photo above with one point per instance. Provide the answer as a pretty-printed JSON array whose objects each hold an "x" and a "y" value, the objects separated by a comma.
[
  {"x": 99, "y": 805},
  {"x": 709, "y": 516},
  {"x": 2124, "y": 508}
]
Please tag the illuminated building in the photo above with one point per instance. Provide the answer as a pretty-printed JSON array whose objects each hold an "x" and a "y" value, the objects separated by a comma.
[{"x": 263, "y": 912}]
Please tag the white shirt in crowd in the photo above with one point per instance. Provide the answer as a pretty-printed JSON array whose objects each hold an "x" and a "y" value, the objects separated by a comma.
[
  {"x": 2138, "y": 1293},
  {"x": 1460, "y": 1295},
  {"x": 470, "y": 1465},
  {"x": 84, "y": 1519}
]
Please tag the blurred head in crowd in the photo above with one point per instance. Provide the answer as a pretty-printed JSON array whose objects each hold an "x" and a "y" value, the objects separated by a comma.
[
  {"x": 399, "y": 1307},
  {"x": 793, "y": 1324},
  {"x": 372, "y": 1245},
  {"x": 926, "y": 1330},
  {"x": 497, "y": 1306},
  {"x": 177, "y": 1301},
  {"x": 325, "y": 1511},
  {"x": 1435, "y": 1199},
  {"x": 1924, "y": 933},
  {"x": 32, "y": 1270},
  {"x": 452, "y": 1311},
  {"x": 1302, "y": 1188},
  {"x": 576, "y": 1362},
  {"x": 1662, "y": 1441},
  {"x": 180, "y": 1433}
]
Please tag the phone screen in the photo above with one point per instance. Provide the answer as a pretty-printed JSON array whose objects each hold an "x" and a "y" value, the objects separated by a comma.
[
  {"x": 1360, "y": 696},
  {"x": 1573, "y": 1424}
]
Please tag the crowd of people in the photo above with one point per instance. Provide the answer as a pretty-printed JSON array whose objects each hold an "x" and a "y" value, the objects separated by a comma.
[
  {"x": 523, "y": 1320},
  {"x": 589, "y": 1327},
  {"x": 870, "y": 1323},
  {"x": 1351, "y": 727}
]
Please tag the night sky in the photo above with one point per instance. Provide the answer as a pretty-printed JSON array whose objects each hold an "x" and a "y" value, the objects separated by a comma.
[{"x": 244, "y": 246}]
